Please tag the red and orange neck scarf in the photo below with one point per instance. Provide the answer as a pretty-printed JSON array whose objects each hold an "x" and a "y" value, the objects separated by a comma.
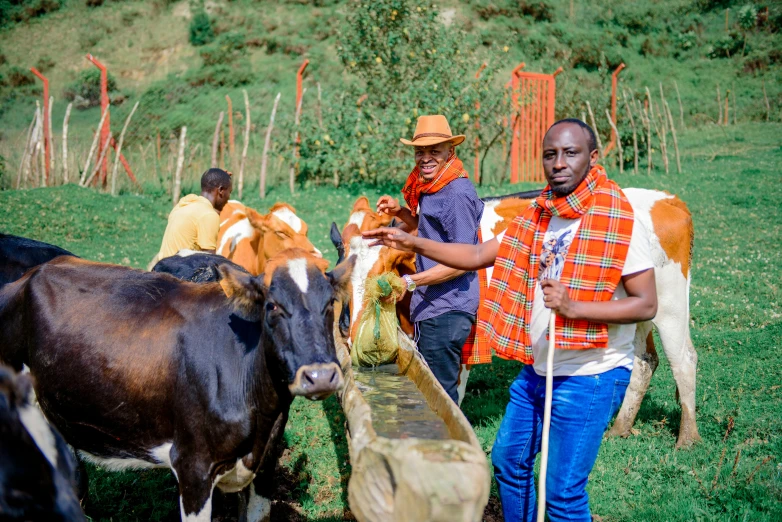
[
  {"x": 592, "y": 270},
  {"x": 416, "y": 185}
]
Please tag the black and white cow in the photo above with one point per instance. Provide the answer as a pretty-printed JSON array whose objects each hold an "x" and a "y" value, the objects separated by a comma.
[
  {"x": 141, "y": 370},
  {"x": 37, "y": 469}
]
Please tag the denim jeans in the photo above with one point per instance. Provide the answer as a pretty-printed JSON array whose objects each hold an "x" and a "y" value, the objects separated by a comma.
[
  {"x": 581, "y": 408},
  {"x": 440, "y": 341}
]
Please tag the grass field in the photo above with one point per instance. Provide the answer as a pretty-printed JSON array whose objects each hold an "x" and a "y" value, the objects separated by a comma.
[{"x": 733, "y": 186}]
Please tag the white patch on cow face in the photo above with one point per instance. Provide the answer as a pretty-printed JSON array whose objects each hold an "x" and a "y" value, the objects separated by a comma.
[
  {"x": 240, "y": 230},
  {"x": 205, "y": 515},
  {"x": 357, "y": 218},
  {"x": 162, "y": 454},
  {"x": 366, "y": 257},
  {"x": 258, "y": 507},
  {"x": 287, "y": 216},
  {"x": 236, "y": 479},
  {"x": 297, "y": 268},
  {"x": 119, "y": 464},
  {"x": 40, "y": 432}
]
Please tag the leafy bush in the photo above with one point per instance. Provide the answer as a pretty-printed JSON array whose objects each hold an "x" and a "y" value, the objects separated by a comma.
[
  {"x": 727, "y": 45},
  {"x": 227, "y": 48},
  {"x": 201, "y": 30},
  {"x": 22, "y": 10},
  {"x": 44, "y": 63},
  {"x": 86, "y": 88},
  {"x": 748, "y": 17},
  {"x": 19, "y": 77},
  {"x": 94, "y": 3}
]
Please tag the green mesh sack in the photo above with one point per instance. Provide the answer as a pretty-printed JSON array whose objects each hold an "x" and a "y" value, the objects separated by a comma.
[{"x": 376, "y": 340}]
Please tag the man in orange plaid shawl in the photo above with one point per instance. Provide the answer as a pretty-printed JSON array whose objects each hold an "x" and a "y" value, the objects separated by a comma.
[
  {"x": 442, "y": 205},
  {"x": 577, "y": 251}
]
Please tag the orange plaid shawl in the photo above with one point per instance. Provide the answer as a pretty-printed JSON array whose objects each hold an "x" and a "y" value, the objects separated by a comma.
[
  {"x": 416, "y": 185},
  {"x": 592, "y": 270}
]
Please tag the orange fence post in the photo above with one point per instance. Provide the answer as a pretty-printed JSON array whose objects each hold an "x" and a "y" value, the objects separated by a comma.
[
  {"x": 299, "y": 79},
  {"x": 477, "y": 172},
  {"x": 104, "y": 105},
  {"x": 47, "y": 125},
  {"x": 612, "y": 143}
]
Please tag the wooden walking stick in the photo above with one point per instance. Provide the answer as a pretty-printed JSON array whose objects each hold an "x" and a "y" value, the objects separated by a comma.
[{"x": 546, "y": 417}]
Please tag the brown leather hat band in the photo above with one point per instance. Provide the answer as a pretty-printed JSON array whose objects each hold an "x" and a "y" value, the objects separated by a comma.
[{"x": 431, "y": 135}]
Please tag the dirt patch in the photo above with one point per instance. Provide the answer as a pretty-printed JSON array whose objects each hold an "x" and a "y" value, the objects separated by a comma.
[{"x": 493, "y": 511}]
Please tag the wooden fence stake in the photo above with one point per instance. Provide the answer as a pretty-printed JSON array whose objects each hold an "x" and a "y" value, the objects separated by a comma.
[
  {"x": 93, "y": 146},
  {"x": 51, "y": 145},
  {"x": 246, "y": 141},
  {"x": 648, "y": 126},
  {"x": 768, "y": 107},
  {"x": 320, "y": 113},
  {"x": 618, "y": 143},
  {"x": 118, "y": 155},
  {"x": 635, "y": 132},
  {"x": 266, "y": 143},
  {"x": 180, "y": 162},
  {"x": 681, "y": 110},
  {"x": 231, "y": 137},
  {"x": 65, "y": 121},
  {"x": 104, "y": 150},
  {"x": 675, "y": 141},
  {"x": 594, "y": 127},
  {"x": 216, "y": 139},
  {"x": 295, "y": 164},
  {"x": 726, "y": 119},
  {"x": 735, "y": 107},
  {"x": 26, "y": 148},
  {"x": 719, "y": 104}
]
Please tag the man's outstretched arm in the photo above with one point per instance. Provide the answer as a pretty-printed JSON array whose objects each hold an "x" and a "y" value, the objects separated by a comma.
[{"x": 455, "y": 255}]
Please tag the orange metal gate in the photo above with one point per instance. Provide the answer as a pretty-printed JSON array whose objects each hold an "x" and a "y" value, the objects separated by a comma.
[{"x": 533, "y": 98}]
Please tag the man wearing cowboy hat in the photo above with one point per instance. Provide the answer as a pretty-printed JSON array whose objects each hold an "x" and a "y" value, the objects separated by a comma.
[{"x": 443, "y": 205}]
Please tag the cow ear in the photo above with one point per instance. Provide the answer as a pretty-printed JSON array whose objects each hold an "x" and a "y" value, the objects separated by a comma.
[
  {"x": 245, "y": 292},
  {"x": 340, "y": 278},
  {"x": 257, "y": 220}
]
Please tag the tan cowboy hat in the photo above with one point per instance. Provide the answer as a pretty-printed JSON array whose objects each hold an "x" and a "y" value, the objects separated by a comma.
[{"x": 431, "y": 130}]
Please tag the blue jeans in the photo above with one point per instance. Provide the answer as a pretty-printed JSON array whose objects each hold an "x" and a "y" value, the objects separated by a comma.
[
  {"x": 581, "y": 409},
  {"x": 441, "y": 339}
]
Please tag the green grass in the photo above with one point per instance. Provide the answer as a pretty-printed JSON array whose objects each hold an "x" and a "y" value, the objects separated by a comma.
[{"x": 732, "y": 185}]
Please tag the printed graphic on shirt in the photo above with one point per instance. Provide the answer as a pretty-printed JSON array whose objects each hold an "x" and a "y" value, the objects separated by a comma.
[{"x": 552, "y": 258}]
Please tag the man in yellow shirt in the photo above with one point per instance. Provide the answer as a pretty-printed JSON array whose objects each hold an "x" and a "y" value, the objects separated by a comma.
[{"x": 194, "y": 222}]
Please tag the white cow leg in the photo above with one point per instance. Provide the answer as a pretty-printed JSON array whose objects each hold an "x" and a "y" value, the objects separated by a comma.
[
  {"x": 195, "y": 492},
  {"x": 259, "y": 508},
  {"x": 673, "y": 326},
  {"x": 461, "y": 383},
  {"x": 644, "y": 366}
]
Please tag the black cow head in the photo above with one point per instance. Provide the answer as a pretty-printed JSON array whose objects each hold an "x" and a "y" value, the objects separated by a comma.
[
  {"x": 37, "y": 471},
  {"x": 294, "y": 301}
]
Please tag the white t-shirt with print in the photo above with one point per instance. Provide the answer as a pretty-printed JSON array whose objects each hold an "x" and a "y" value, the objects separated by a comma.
[{"x": 619, "y": 353}]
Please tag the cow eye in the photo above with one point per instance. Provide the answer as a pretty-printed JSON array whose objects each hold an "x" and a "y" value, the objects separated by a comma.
[
  {"x": 271, "y": 307},
  {"x": 283, "y": 235}
]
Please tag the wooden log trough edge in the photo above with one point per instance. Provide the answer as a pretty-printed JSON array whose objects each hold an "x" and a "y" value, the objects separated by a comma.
[{"x": 412, "y": 480}]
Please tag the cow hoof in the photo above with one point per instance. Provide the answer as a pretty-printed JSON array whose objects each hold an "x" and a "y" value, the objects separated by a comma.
[{"x": 687, "y": 441}]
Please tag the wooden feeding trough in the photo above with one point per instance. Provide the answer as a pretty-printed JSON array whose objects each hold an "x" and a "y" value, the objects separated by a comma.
[{"x": 402, "y": 472}]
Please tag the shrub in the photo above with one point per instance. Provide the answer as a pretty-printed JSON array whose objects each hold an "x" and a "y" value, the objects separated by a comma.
[
  {"x": 201, "y": 30},
  {"x": 86, "y": 88},
  {"x": 19, "y": 77},
  {"x": 94, "y": 3},
  {"x": 748, "y": 17},
  {"x": 227, "y": 48},
  {"x": 727, "y": 46},
  {"x": 44, "y": 63}
]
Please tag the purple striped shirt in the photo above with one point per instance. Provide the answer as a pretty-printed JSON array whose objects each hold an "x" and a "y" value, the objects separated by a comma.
[{"x": 450, "y": 215}]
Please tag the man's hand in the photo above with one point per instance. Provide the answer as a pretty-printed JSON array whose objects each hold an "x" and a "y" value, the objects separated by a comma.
[
  {"x": 388, "y": 205},
  {"x": 391, "y": 237},
  {"x": 556, "y": 298}
]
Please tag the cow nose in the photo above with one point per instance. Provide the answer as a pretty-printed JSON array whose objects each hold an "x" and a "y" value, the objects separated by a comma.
[{"x": 317, "y": 381}]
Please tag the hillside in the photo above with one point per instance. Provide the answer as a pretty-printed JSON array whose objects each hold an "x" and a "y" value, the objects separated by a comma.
[{"x": 258, "y": 45}]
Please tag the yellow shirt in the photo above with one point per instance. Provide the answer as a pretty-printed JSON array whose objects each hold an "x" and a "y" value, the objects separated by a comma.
[{"x": 192, "y": 224}]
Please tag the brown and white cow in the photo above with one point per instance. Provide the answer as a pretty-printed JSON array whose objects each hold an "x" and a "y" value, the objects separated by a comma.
[
  {"x": 250, "y": 239},
  {"x": 669, "y": 224},
  {"x": 142, "y": 370}
]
